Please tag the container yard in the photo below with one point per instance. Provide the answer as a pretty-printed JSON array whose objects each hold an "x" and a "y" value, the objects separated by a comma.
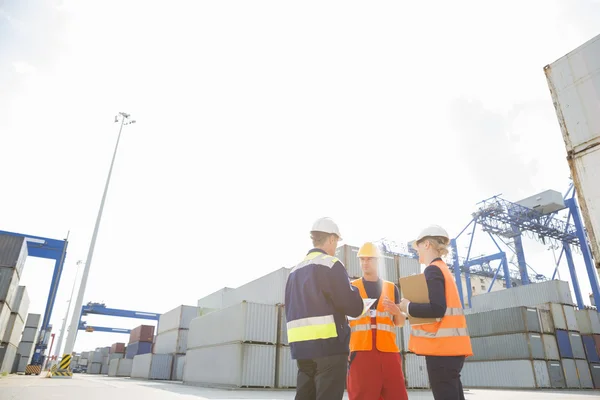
[{"x": 534, "y": 333}]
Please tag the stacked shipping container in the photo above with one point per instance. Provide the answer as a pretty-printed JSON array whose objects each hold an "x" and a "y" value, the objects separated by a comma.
[
  {"x": 140, "y": 341},
  {"x": 28, "y": 340}
]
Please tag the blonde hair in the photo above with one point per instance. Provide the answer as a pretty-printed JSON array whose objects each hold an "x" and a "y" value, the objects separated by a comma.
[{"x": 439, "y": 244}]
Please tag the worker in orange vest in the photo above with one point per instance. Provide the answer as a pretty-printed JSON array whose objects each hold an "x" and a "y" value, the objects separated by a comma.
[
  {"x": 445, "y": 343},
  {"x": 375, "y": 365}
]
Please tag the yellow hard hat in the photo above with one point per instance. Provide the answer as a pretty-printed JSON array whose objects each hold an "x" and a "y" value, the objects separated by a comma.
[{"x": 368, "y": 250}]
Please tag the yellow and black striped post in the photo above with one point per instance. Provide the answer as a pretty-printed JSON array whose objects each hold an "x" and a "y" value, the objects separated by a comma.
[{"x": 65, "y": 363}]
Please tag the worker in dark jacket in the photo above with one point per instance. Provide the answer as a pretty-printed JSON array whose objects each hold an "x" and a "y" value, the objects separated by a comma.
[
  {"x": 318, "y": 297},
  {"x": 444, "y": 342}
]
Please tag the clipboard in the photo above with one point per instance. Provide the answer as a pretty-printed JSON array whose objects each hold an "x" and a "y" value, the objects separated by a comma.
[
  {"x": 367, "y": 303},
  {"x": 414, "y": 288}
]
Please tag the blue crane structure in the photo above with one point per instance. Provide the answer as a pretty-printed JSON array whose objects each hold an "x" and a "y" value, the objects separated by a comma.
[
  {"x": 51, "y": 249},
  {"x": 101, "y": 309},
  {"x": 505, "y": 221}
]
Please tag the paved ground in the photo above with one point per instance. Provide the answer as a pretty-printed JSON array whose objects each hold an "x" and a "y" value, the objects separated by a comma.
[{"x": 85, "y": 387}]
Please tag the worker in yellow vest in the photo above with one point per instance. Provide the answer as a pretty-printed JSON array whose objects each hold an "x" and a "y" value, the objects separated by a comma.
[
  {"x": 375, "y": 368},
  {"x": 445, "y": 343}
]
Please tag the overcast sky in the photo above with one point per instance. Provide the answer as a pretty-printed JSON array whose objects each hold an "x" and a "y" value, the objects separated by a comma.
[{"x": 256, "y": 117}]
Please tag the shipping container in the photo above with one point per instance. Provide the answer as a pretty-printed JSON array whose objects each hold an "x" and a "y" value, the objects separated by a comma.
[
  {"x": 96, "y": 357},
  {"x": 564, "y": 344},
  {"x": 244, "y": 322},
  {"x": 116, "y": 356},
  {"x": 558, "y": 316},
  {"x": 143, "y": 333},
  {"x": 557, "y": 377},
  {"x": 577, "y": 345},
  {"x": 120, "y": 367},
  {"x": 405, "y": 336},
  {"x": 104, "y": 350},
  {"x": 85, "y": 354},
  {"x": 23, "y": 362},
  {"x": 542, "y": 376},
  {"x": 550, "y": 347},
  {"x": 231, "y": 365},
  {"x": 415, "y": 372},
  {"x": 508, "y": 320},
  {"x": 178, "y": 366},
  {"x": 29, "y": 335},
  {"x": 152, "y": 366},
  {"x": 597, "y": 341},
  {"x": 547, "y": 324},
  {"x": 583, "y": 372},
  {"x": 570, "y": 371},
  {"x": 33, "y": 321},
  {"x": 588, "y": 321},
  {"x": 282, "y": 339},
  {"x": 573, "y": 81},
  {"x": 268, "y": 289},
  {"x": 511, "y": 374},
  {"x": 287, "y": 369},
  {"x": 516, "y": 346},
  {"x": 408, "y": 266},
  {"x": 13, "y": 252},
  {"x": 570, "y": 318},
  {"x": 9, "y": 282},
  {"x": 213, "y": 301},
  {"x": 94, "y": 368},
  {"x": 388, "y": 268},
  {"x": 590, "y": 349},
  {"x": 138, "y": 348},
  {"x": 595, "y": 371},
  {"x": 178, "y": 318},
  {"x": 348, "y": 255},
  {"x": 8, "y": 352},
  {"x": 117, "y": 348},
  {"x": 13, "y": 331},
  {"x": 171, "y": 342},
  {"x": 4, "y": 318},
  {"x": 104, "y": 368},
  {"x": 552, "y": 291},
  {"x": 21, "y": 302},
  {"x": 25, "y": 349}
]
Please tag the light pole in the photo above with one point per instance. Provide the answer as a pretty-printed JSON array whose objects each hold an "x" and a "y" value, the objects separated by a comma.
[
  {"x": 125, "y": 120},
  {"x": 64, "y": 325}
]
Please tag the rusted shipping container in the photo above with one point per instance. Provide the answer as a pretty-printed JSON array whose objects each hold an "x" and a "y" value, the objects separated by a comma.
[
  {"x": 117, "y": 348},
  {"x": 143, "y": 333}
]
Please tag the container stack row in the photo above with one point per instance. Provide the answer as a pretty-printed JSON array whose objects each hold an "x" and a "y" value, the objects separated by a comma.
[
  {"x": 28, "y": 340},
  {"x": 98, "y": 361},
  {"x": 13, "y": 304}
]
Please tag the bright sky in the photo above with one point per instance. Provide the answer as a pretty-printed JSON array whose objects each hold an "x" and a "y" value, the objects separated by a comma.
[{"x": 254, "y": 119}]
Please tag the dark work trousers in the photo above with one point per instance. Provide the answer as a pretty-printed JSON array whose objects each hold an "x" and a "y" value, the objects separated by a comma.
[
  {"x": 444, "y": 377},
  {"x": 322, "y": 378}
]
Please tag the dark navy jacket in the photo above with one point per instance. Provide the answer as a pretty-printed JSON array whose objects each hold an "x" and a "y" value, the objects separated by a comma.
[{"x": 321, "y": 288}]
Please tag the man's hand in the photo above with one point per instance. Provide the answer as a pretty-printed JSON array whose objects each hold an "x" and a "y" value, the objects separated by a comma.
[
  {"x": 392, "y": 308},
  {"x": 404, "y": 305}
]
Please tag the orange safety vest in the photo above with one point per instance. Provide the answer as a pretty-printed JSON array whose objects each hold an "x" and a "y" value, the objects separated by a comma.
[
  {"x": 448, "y": 336},
  {"x": 361, "y": 338}
]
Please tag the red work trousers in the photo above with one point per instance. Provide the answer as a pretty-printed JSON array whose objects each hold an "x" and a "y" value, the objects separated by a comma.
[{"x": 375, "y": 375}]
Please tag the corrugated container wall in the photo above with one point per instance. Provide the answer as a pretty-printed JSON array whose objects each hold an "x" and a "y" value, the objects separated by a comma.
[
  {"x": 515, "y": 346},
  {"x": 13, "y": 252},
  {"x": 4, "y": 317},
  {"x": 588, "y": 321},
  {"x": 590, "y": 349},
  {"x": 214, "y": 300},
  {"x": 25, "y": 349},
  {"x": 564, "y": 344},
  {"x": 408, "y": 266},
  {"x": 571, "y": 318},
  {"x": 573, "y": 81},
  {"x": 268, "y": 289},
  {"x": 172, "y": 342},
  {"x": 585, "y": 377},
  {"x": 21, "y": 302},
  {"x": 143, "y": 333},
  {"x": 244, "y": 322},
  {"x": 178, "y": 318},
  {"x": 33, "y": 321},
  {"x": 547, "y": 323},
  {"x": 178, "y": 366},
  {"x": 595, "y": 371},
  {"x": 415, "y": 371},
  {"x": 551, "y": 347},
  {"x": 8, "y": 352},
  {"x": 508, "y": 320},
  {"x": 23, "y": 362},
  {"x": 499, "y": 374},
  {"x": 117, "y": 348},
  {"x": 138, "y": 348},
  {"x": 348, "y": 255},
  {"x": 287, "y": 373},
  {"x": 577, "y": 345},
  {"x": 570, "y": 371},
  {"x": 231, "y": 365},
  {"x": 557, "y": 377},
  {"x": 9, "y": 281},
  {"x": 553, "y": 291},
  {"x": 13, "y": 331},
  {"x": 29, "y": 335},
  {"x": 542, "y": 376}
]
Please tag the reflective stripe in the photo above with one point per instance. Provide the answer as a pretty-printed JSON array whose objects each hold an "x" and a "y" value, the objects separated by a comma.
[
  {"x": 368, "y": 327},
  {"x": 384, "y": 314},
  {"x": 385, "y": 327},
  {"x": 311, "y": 328},
  {"x": 443, "y": 332},
  {"x": 317, "y": 258},
  {"x": 362, "y": 327}
]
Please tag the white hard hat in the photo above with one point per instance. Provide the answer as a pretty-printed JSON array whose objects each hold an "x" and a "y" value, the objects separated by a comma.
[
  {"x": 432, "y": 231},
  {"x": 326, "y": 225}
]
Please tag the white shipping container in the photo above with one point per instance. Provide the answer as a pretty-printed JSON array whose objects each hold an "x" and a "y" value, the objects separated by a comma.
[
  {"x": 29, "y": 335},
  {"x": 415, "y": 370},
  {"x": 8, "y": 352},
  {"x": 558, "y": 316},
  {"x": 231, "y": 365},
  {"x": 268, "y": 289},
  {"x": 551, "y": 347},
  {"x": 178, "y": 318},
  {"x": 116, "y": 356},
  {"x": 104, "y": 369},
  {"x": 408, "y": 266},
  {"x": 22, "y": 365},
  {"x": 96, "y": 357},
  {"x": 214, "y": 300},
  {"x": 13, "y": 331},
  {"x": 9, "y": 281},
  {"x": 21, "y": 302},
  {"x": 171, "y": 342},
  {"x": 4, "y": 317},
  {"x": 573, "y": 81},
  {"x": 499, "y": 374},
  {"x": 571, "y": 318},
  {"x": 94, "y": 368},
  {"x": 388, "y": 268},
  {"x": 83, "y": 362},
  {"x": 287, "y": 369},
  {"x": 26, "y": 349},
  {"x": 152, "y": 366},
  {"x": 552, "y": 291},
  {"x": 120, "y": 367},
  {"x": 588, "y": 321},
  {"x": 244, "y": 322},
  {"x": 178, "y": 366},
  {"x": 13, "y": 252},
  {"x": 33, "y": 321},
  {"x": 542, "y": 376}
]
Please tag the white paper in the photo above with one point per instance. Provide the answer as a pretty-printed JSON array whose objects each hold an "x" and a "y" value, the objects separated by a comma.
[{"x": 367, "y": 306}]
